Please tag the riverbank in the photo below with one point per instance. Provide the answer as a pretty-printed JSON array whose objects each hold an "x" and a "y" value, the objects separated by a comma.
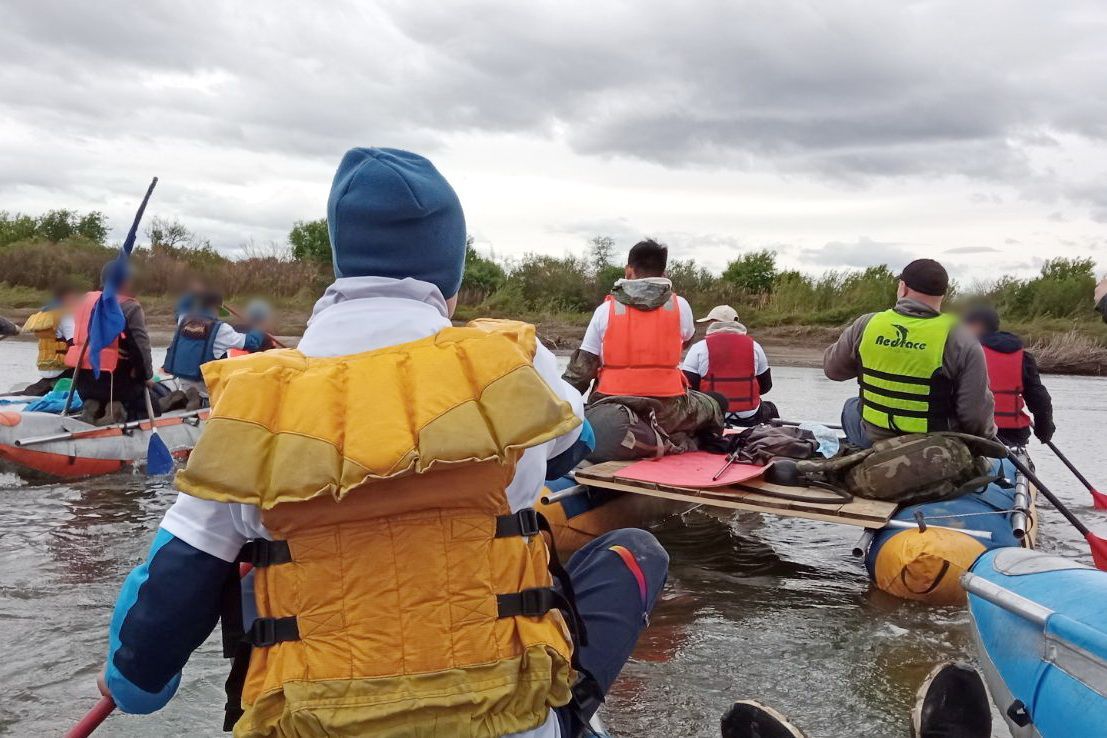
[{"x": 1061, "y": 346}]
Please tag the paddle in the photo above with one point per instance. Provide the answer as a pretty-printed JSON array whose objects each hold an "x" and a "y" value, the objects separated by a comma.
[
  {"x": 158, "y": 459},
  {"x": 1097, "y": 544},
  {"x": 238, "y": 315},
  {"x": 1098, "y": 498},
  {"x": 778, "y": 421},
  {"x": 92, "y": 719}
]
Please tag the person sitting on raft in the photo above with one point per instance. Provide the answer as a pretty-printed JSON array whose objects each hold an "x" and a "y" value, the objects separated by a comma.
[
  {"x": 633, "y": 344},
  {"x": 1014, "y": 380},
  {"x": 201, "y": 337},
  {"x": 730, "y": 362},
  {"x": 126, "y": 365},
  {"x": 408, "y": 452},
  {"x": 917, "y": 368},
  {"x": 53, "y": 326}
]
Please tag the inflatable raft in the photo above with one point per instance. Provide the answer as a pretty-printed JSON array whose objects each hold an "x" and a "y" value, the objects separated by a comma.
[
  {"x": 579, "y": 514},
  {"x": 926, "y": 565},
  {"x": 59, "y": 447},
  {"x": 1039, "y": 626}
]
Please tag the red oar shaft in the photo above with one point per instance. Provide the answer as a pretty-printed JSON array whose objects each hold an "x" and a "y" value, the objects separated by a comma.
[
  {"x": 1098, "y": 498},
  {"x": 91, "y": 721}
]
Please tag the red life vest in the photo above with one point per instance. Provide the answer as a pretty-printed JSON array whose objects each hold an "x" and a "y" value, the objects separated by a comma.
[
  {"x": 641, "y": 351},
  {"x": 109, "y": 356},
  {"x": 1005, "y": 381},
  {"x": 731, "y": 370}
]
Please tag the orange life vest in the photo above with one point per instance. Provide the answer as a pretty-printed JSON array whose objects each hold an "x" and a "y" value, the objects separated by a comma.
[
  {"x": 109, "y": 355},
  {"x": 731, "y": 370},
  {"x": 1005, "y": 381},
  {"x": 641, "y": 351}
]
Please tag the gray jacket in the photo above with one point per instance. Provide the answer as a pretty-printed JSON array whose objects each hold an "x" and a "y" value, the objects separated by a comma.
[{"x": 963, "y": 362}]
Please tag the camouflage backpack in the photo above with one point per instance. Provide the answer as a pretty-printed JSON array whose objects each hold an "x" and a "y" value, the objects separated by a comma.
[{"x": 920, "y": 467}]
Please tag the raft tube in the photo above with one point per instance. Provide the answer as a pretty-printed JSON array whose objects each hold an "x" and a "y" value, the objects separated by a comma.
[
  {"x": 588, "y": 512},
  {"x": 1038, "y": 624},
  {"x": 102, "y": 451},
  {"x": 926, "y": 565}
]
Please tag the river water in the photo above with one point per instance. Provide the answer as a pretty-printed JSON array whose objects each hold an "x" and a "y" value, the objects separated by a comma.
[{"x": 762, "y": 607}]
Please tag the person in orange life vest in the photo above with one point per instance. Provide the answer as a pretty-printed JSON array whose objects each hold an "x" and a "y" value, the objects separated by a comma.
[
  {"x": 633, "y": 345},
  {"x": 398, "y": 244},
  {"x": 731, "y": 363},
  {"x": 127, "y": 367},
  {"x": 54, "y": 326},
  {"x": 1014, "y": 380}
]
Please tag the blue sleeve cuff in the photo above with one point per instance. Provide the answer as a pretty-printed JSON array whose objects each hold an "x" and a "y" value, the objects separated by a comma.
[
  {"x": 564, "y": 462},
  {"x": 255, "y": 340},
  {"x": 128, "y": 696},
  {"x": 168, "y": 606}
]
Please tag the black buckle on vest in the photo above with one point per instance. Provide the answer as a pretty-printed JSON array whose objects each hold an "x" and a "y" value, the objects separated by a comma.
[
  {"x": 525, "y": 523},
  {"x": 265, "y": 632},
  {"x": 532, "y": 603},
  {"x": 261, "y": 553}
]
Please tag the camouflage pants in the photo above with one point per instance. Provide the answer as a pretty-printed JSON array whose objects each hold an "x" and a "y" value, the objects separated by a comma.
[{"x": 682, "y": 417}]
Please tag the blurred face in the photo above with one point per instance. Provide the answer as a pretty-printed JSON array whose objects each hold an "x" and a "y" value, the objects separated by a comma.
[
  {"x": 976, "y": 328},
  {"x": 629, "y": 273}
]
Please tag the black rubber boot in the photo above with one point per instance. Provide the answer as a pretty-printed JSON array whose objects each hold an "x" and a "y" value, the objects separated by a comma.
[
  {"x": 952, "y": 703},
  {"x": 750, "y": 719}
]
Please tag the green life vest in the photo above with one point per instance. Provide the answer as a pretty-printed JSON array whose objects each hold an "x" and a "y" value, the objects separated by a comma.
[{"x": 902, "y": 385}]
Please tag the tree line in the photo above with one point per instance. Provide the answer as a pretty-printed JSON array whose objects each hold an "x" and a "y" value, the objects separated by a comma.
[{"x": 46, "y": 250}]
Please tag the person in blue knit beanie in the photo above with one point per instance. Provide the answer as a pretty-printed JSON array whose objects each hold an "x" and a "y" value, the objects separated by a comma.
[
  {"x": 392, "y": 214},
  {"x": 398, "y": 243}
]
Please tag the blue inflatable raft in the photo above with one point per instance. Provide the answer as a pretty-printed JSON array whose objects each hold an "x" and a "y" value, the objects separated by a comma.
[
  {"x": 1040, "y": 629},
  {"x": 925, "y": 565}
]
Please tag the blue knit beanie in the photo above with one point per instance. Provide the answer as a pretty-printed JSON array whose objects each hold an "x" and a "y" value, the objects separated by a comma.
[{"x": 391, "y": 214}]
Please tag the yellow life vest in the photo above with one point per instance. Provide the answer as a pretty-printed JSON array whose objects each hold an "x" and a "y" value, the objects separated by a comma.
[
  {"x": 391, "y": 605},
  {"x": 51, "y": 349}
]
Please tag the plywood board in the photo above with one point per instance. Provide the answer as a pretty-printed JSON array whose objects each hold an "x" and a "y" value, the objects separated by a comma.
[{"x": 810, "y": 502}]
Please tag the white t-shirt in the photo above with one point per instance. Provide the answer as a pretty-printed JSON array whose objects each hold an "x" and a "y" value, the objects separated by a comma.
[
  {"x": 63, "y": 332},
  {"x": 353, "y": 320},
  {"x": 696, "y": 361},
  {"x": 597, "y": 327}
]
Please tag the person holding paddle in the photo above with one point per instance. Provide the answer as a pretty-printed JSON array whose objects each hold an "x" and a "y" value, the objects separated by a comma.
[
  {"x": 380, "y": 480},
  {"x": 1014, "y": 380},
  {"x": 126, "y": 365}
]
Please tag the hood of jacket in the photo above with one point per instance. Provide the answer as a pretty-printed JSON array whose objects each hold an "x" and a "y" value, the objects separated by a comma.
[
  {"x": 1001, "y": 341},
  {"x": 648, "y": 293}
]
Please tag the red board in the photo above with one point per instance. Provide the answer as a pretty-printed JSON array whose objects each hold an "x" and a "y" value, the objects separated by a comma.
[{"x": 694, "y": 469}]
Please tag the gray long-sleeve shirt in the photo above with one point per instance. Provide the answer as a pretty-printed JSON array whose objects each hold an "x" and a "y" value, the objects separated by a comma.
[{"x": 963, "y": 363}]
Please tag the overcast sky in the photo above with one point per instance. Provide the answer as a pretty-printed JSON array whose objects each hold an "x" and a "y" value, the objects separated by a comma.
[{"x": 841, "y": 134}]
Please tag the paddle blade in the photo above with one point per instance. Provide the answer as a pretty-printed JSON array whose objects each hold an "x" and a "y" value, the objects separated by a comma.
[
  {"x": 1098, "y": 499},
  {"x": 1099, "y": 551},
  {"x": 158, "y": 459}
]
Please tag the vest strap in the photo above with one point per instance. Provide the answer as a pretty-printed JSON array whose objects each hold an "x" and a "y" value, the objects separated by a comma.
[
  {"x": 532, "y": 603},
  {"x": 262, "y": 552},
  {"x": 525, "y": 523},
  {"x": 912, "y": 396},
  {"x": 904, "y": 378},
  {"x": 265, "y": 632}
]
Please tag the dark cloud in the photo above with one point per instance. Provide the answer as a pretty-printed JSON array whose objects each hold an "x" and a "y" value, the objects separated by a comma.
[{"x": 848, "y": 92}]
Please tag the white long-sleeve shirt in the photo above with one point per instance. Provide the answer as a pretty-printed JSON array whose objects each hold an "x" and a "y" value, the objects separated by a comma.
[{"x": 358, "y": 314}]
